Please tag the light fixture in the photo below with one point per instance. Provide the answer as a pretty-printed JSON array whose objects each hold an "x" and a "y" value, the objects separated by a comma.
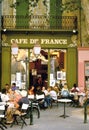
[
  {"x": 4, "y": 30},
  {"x": 37, "y": 49},
  {"x": 14, "y": 49}
]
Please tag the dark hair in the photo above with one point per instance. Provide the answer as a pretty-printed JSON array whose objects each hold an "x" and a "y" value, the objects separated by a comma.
[
  {"x": 75, "y": 85},
  {"x": 14, "y": 84},
  {"x": 3, "y": 91}
]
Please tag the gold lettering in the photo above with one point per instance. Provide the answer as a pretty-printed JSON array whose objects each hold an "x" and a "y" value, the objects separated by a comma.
[
  {"x": 32, "y": 41},
  {"x": 41, "y": 41},
  {"x": 20, "y": 41}
]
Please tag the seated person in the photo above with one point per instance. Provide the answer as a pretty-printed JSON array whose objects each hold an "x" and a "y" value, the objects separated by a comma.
[
  {"x": 31, "y": 90},
  {"x": 53, "y": 93},
  {"x": 75, "y": 88},
  {"x": 47, "y": 96},
  {"x": 65, "y": 92},
  {"x": 4, "y": 96},
  {"x": 75, "y": 91},
  {"x": 13, "y": 87},
  {"x": 15, "y": 108},
  {"x": 22, "y": 100},
  {"x": 84, "y": 97},
  {"x": 41, "y": 100}
]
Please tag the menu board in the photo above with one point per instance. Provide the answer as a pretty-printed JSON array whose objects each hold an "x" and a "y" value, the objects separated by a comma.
[{"x": 87, "y": 74}]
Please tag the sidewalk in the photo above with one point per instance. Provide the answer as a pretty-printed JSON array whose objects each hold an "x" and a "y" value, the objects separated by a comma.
[{"x": 50, "y": 120}]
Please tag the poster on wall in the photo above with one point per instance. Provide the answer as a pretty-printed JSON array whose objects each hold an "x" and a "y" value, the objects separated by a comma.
[
  {"x": 64, "y": 75},
  {"x": 59, "y": 75},
  {"x": 51, "y": 76},
  {"x": 52, "y": 83}
]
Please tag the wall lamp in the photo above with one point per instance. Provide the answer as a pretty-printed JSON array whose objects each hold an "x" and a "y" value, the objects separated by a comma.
[
  {"x": 14, "y": 50},
  {"x": 37, "y": 49}
]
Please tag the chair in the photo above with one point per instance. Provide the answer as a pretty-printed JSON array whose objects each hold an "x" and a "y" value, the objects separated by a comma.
[
  {"x": 2, "y": 117},
  {"x": 40, "y": 97},
  {"x": 20, "y": 116},
  {"x": 41, "y": 100},
  {"x": 35, "y": 105},
  {"x": 76, "y": 100},
  {"x": 54, "y": 101}
]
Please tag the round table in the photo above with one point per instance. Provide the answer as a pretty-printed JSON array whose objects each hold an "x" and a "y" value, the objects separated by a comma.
[{"x": 64, "y": 101}]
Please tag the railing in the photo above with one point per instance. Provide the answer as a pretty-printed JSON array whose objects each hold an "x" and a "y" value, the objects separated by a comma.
[{"x": 39, "y": 22}]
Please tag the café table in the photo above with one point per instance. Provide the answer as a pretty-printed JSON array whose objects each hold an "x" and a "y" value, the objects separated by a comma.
[{"x": 64, "y": 101}]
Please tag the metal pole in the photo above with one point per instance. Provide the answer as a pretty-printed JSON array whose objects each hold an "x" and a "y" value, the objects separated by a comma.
[
  {"x": 26, "y": 62},
  {"x": 31, "y": 111},
  {"x": 31, "y": 114},
  {"x": 85, "y": 114}
]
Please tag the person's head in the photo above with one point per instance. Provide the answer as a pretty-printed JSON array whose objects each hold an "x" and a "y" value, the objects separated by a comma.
[
  {"x": 75, "y": 85},
  {"x": 7, "y": 87},
  {"x": 13, "y": 87},
  {"x": 13, "y": 84},
  {"x": 65, "y": 86},
  {"x": 43, "y": 88},
  {"x": 38, "y": 88},
  {"x": 3, "y": 91}
]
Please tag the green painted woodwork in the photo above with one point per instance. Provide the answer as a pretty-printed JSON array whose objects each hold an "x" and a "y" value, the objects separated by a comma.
[
  {"x": 71, "y": 66},
  {"x": 6, "y": 66},
  {"x": 0, "y": 69},
  {"x": 49, "y": 68},
  {"x": 55, "y": 13},
  {"x": 22, "y": 9},
  {"x": 58, "y": 13}
]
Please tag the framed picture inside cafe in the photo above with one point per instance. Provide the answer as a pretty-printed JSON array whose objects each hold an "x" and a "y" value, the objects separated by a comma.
[{"x": 87, "y": 74}]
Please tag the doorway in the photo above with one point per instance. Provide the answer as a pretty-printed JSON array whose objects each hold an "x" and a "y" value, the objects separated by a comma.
[
  {"x": 56, "y": 63},
  {"x": 38, "y": 68}
]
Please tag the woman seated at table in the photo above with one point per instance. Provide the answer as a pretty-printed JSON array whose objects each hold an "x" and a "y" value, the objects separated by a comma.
[{"x": 65, "y": 92}]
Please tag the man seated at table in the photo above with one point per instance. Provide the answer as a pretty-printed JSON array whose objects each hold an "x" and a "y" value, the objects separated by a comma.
[
  {"x": 75, "y": 88},
  {"x": 15, "y": 108}
]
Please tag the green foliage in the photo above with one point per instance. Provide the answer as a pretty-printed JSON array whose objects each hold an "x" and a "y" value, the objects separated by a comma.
[{"x": 70, "y": 5}]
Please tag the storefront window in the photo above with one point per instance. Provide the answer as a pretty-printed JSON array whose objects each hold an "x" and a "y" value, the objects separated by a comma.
[
  {"x": 18, "y": 69},
  {"x": 38, "y": 67},
  {"x": 57, "y": 66}
]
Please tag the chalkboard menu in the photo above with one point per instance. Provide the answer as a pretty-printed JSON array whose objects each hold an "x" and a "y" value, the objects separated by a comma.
[{"x": 87, "y": 74}]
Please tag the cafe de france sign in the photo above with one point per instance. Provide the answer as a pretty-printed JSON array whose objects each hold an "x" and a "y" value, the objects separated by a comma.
[{"x": 41, "y": 41}]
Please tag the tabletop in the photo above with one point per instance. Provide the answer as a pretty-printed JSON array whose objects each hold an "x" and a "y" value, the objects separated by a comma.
[{"x": 64, "y": 100}]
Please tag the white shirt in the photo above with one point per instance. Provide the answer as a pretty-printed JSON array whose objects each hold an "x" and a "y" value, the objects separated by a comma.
[
  {"x": 4, "y": 97},
  {"x": 53, "y": 94}
]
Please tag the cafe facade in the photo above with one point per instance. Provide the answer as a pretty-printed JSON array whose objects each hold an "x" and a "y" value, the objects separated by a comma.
[
  {"x": 42, "y": 22},
  {"x": 59, "y": 61}
]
